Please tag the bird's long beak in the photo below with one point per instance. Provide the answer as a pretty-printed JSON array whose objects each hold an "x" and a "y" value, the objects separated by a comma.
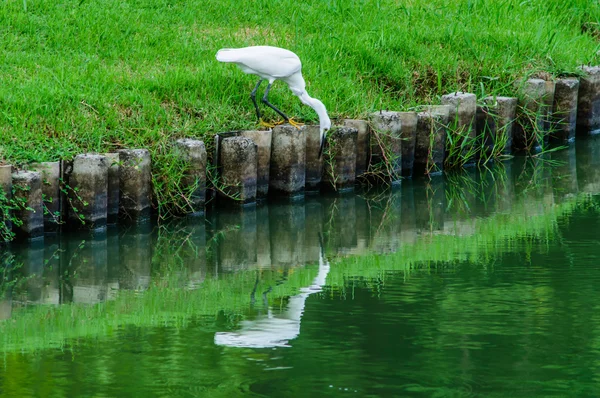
[{"x": 321, "y": 149}]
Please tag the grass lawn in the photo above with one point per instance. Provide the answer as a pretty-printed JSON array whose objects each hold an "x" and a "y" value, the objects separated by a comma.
[{"x": 86, "y": 75}]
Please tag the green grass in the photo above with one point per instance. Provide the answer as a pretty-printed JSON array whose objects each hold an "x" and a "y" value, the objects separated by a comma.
[{"x": 87, "y": 75}]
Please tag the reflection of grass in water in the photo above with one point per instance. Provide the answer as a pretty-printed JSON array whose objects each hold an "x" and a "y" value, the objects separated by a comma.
[
  {"x": 167, "y": 303},
  {"x": 489, "y": 237},
  {"x": 164, "y": 303},
  {"x": 458, "y": 186}
]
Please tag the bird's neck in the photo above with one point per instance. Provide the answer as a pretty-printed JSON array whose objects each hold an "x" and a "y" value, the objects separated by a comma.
[{"x": 324, "y": 121}]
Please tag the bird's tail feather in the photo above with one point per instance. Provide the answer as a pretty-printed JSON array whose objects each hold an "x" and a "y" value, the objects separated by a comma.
[{"x": 227, "y": 55}]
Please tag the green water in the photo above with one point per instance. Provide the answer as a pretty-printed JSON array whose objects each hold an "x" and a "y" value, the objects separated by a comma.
[{"x": 477, "y": 284}]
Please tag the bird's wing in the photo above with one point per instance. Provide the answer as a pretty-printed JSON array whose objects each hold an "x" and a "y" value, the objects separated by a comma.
[{"x": 269, "y": 61}]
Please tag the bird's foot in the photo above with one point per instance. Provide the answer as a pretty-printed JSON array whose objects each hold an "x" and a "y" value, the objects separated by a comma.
[
  {"x": 294, "y": 123},
  {"x": 265, "y": 124}
]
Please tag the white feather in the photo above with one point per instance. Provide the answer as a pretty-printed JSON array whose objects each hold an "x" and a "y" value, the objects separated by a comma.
[{"x": 274, "y": 63}]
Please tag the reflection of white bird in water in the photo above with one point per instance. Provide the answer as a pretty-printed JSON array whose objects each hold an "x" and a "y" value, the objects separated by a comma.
[
  {"x": 276, "y": 330},
  {"x": 273, "y": 63}
]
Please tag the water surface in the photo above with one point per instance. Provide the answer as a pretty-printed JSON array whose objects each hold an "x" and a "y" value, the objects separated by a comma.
[{"x": 474, "y": 284}]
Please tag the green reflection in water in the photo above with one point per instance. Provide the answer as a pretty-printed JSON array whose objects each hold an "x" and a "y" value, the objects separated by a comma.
[{"x": 475, "y": 284}]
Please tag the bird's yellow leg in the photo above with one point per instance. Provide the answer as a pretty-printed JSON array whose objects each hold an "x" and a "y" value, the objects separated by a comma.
[
  {"x": 294, "y": 123},
  {"x": 265, "y": 124}
]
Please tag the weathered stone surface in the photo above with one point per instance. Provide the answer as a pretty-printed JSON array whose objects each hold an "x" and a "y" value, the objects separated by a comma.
[
  {"x": 52, "y": 198},
  {"x": 386, "y": 141},
  {"x": 409, "y": 139},
  {"x": 314, "y": 163},
  {"x": 87, "y": 191},
  {"x": 237, "y": 167},
  {"x": 495, "y": 120},
  {"x": 339, "y": 171},
  {"x": 430, "y": 146},
  {"x": 262, "y": 139},
  {"x": 362, "y": 144},
  {"x": 588, "y": 103},
  {"x": 463, "y": 107},
  {"x": 564, "y": 115},
  {"x": 6, "y": 179},
  {"x": 193, "y": 154},
  {"x": 533, "y": 124},
  {"x": 135, "y": 183},
  {"x": 112, "y": 194},
  {"x": 28, "y": 195},
  {"x": 6, "y": 187},
  {"x": 287, "y": 174}
]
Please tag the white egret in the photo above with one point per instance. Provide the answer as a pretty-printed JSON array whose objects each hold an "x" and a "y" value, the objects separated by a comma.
[{"x": 274, "y": 63}]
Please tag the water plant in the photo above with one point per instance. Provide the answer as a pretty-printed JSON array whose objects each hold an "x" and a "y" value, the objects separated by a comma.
[{"x": 7, "y": 219}]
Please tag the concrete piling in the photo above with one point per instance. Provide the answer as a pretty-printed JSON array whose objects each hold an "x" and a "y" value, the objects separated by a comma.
[
  {"x": 135, "y": 183},
  {"x": 588, "y": 102},
  {"x": 362, "y": 144},
  {"x": 485, "y": 124},
  {"x": 6, "y": 179},
  {"x": 262, "y": 139},
  {"x": 495, "y": 120},
  {"x": 430, "y": 145},
  {"x": 386, "y": 142},
  {"x": 463, "y": 108},
  {"x": 287, "y": 173},
  {"x": 6, "y": 194},
  {"x": 87, "y": 191},
  {"x": 51, "y": 193},
  {"x": 193, "y": 154},
  {"x": 531, "y": 130},
  {"x": 548, "y": 108},
  {"x": 564, "y": 115},
  {"x": 238, "y": 169},
  {"x": 408, "y": 134},
  {"x": 314, "y": 163},
  {"x": 28, "y": 195},
  {"x": 339, "y": 170},
  {"x": 112, "y": 193}
]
